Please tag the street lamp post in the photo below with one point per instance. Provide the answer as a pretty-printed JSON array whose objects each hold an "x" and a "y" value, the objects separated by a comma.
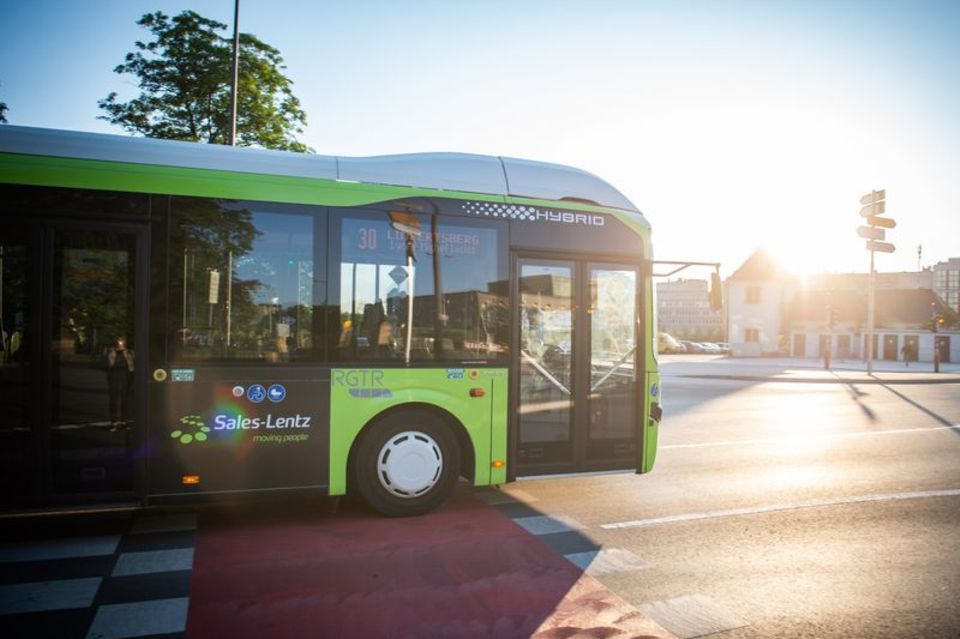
[{"x": 236, "y": 73}]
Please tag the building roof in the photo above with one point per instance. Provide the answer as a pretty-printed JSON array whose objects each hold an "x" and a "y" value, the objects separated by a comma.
[
  {"x": 761, "y": 266},
  {"x": 492, "y": 175}
]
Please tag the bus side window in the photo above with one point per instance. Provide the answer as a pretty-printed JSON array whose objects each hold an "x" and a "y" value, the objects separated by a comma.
[{"x": 458, "y": 282}]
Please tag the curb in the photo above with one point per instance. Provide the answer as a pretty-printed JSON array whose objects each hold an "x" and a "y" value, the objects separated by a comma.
[{"x": 818, "y": 380}]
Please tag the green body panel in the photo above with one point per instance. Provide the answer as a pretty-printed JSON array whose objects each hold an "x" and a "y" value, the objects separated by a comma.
[
  {"x": 357, "y": 396},
  {"x": 651, "y": 432},
  {"x": 651, "y": 429}
]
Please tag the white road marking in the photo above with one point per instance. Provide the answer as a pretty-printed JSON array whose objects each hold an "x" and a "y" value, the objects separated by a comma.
[
  {"x": 544, "y": 525},
  {"x": 40, "y": 596},
  {"x": 692, "y": 616},
  {"x": 606, "y": 561},
  {"x": 808, "y": 437},
  {"x": 151, "y": 561},
  {"x": 157, "y": 617},
  {"x": 770, "y": 508}
]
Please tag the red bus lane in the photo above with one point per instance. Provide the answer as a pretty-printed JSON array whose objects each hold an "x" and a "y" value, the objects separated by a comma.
[{"x": 466, "y": 570}]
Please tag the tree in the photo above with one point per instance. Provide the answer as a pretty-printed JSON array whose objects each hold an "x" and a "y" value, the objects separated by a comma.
[
  {"x": 184, "y": 79},
  {"x": 3, "y": 112}
]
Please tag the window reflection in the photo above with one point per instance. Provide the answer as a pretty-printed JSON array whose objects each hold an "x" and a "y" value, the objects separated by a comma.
[
  {"x": 547, "y": 293},
  {"x": 456, "y": 282},
  {"x": 246, "y": 283},
  {"x": 613, "y": 347}
]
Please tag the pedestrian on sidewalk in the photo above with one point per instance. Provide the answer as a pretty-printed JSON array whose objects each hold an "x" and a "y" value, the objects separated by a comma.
[{"x": 906, "y": 352}]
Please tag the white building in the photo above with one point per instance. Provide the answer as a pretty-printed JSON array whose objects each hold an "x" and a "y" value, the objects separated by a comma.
[
  {"x": 771, "y": 312},
  {"x": 756, "y": 296}
]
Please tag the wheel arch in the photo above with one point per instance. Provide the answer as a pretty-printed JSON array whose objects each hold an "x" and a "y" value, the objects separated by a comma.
[{"x": 467, "y": 453}]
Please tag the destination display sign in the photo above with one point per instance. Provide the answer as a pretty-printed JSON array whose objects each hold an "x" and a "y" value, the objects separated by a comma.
[{"x": 377, "y": 241}]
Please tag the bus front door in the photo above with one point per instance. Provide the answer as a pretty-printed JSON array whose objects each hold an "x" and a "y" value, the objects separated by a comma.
[{"x": 577, "y": 403}]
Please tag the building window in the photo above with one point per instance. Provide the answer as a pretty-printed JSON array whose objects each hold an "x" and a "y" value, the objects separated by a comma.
[
  {"x": 953, "y": 300},
  {"x": 751, "y": 335},
  {"x": 753, "y": 294}
]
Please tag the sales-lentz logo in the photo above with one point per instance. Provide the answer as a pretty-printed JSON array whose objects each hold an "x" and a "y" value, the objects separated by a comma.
[{"x": 193, "y": 430}]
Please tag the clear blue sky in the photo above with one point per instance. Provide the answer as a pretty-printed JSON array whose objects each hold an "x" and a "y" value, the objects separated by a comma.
[{"x": 731, "y": 125}]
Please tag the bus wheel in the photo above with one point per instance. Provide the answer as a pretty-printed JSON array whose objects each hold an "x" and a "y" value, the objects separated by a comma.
[{"x": 407, "y": 464}]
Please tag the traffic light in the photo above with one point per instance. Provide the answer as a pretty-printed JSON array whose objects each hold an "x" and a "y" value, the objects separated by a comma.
[
  {"x": 716, "y": 292},
  {"x": 937, "y": 320},
  {"x": 872, "y": 206}
]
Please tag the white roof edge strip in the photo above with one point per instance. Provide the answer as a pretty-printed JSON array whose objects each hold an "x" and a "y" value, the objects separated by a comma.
[{"x": 447, "y": 171}]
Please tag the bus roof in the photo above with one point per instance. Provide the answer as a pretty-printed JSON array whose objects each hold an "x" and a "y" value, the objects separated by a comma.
[{"x": 465, "y": 172}]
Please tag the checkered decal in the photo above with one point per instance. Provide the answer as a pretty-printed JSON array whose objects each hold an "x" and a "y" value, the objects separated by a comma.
[
  {"x": 531, "y": 213},
  {"x": 496, "y": 209}
]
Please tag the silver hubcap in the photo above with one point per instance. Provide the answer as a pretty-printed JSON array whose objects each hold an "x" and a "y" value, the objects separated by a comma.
[{"x": 409, "y": 464}]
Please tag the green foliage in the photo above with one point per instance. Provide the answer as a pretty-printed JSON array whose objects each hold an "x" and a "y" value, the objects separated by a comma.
[
  {"x": 3, "y": 112},
  {"x": 184, "y": 78}
]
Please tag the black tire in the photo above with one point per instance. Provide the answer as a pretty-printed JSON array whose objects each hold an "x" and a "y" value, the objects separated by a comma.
[{"x": 407, "y": 463}]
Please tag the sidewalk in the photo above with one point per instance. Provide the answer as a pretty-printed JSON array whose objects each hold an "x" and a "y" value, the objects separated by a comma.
[{"x": 785, "y": 369}]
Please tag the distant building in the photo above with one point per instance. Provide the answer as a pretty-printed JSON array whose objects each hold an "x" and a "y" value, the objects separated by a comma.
[
  {"x": 683, "y": 310},
  {"x": 860, "y": 281},
  {"x": 772, "y": 312},
  {"x": 946, "y": 282},
  {"x": 837, "y": 319},
  {"x": 756, "y": 296}
]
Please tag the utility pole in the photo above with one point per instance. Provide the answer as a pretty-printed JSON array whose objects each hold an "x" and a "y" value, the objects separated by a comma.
[
  {"x": 872, "y": 206},
  {"x": 236, "y": 73},
  {"x": 936, "y": 320}
]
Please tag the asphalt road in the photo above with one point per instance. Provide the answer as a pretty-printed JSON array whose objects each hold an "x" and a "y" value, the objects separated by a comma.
[{"x": 784, "y": 510}]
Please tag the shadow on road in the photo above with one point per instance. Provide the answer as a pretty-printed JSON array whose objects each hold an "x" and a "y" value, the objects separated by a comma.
[
  {"x": 940, "y": 418},
  {"x": 855, "y": 395}
]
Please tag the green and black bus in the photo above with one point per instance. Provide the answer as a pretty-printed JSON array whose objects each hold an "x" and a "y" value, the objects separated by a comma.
[{"x": 183, "y": 320}]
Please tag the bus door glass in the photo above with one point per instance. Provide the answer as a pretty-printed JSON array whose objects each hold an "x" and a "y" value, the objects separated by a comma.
[
  {"x": 18, "y": 444},
  {"x": 92, "y": 361},
  {"x": 545, "y": 416},
  {"x": 612, "y": 399}
]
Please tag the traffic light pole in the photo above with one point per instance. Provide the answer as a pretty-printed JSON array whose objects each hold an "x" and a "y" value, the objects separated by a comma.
[
  {"x": 870, "y": 315},
  {"x": 935, "y": 326}
]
